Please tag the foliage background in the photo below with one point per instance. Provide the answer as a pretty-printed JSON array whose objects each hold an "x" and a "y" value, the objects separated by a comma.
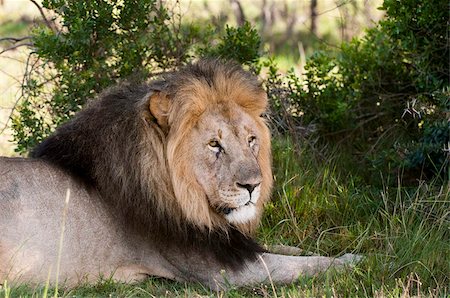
[{"x": 285, "y": 28}]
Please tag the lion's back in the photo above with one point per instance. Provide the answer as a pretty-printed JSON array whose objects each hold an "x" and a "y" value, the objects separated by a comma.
[{"x": 22, "y": 179}]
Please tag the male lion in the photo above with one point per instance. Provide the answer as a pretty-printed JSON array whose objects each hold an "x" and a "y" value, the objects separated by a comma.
[{"x": 166, "y": 179}]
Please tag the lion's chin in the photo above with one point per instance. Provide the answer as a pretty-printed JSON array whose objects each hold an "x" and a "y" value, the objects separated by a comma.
[{"x": 241, "y": 214}]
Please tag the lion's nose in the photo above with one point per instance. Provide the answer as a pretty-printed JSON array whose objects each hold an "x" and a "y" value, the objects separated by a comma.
[{"x": 249, "y": 187}]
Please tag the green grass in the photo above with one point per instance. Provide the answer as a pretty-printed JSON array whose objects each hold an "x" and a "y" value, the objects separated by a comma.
[{"x": 403, "y": 233}]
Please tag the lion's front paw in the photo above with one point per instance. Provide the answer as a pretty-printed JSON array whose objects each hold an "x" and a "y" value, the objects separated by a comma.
[
  {"x": 130, "y": 274},
  {"x": 350, "y": 259}
]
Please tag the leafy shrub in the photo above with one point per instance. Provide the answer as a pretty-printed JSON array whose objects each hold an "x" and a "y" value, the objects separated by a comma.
[
  {"x": 241, "y": 44},
  {"x": 101, "y": 42},
  {"x": 386, "y": 93}
]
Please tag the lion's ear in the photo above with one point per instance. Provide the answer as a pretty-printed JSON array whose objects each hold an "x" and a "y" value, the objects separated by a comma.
[{"x": 159, "y": 108}]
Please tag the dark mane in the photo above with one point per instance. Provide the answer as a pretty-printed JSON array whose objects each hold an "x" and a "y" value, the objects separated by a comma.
[{"x": 104, "y": 145}]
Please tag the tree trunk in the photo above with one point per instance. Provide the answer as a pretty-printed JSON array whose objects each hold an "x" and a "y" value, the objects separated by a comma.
[
  {"x": 313, "y": 9},
  {"x": 238, "y": 12}
]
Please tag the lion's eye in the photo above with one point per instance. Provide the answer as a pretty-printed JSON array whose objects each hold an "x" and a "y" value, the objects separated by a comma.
[
  {"x": 251, "y": 141},
  {"x": 215, "y": 146}
]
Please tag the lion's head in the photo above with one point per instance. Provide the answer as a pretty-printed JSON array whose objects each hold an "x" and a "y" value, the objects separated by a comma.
[
  {"x": 186, "y": 157},
  {"x": 218, "y": 146}
]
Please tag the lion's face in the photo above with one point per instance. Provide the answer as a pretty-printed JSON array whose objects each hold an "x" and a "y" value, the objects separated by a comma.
[{"x": 225, "y": 164}]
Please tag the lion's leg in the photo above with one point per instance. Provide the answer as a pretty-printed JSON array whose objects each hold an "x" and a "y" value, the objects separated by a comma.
[
  {"x": 131, "y": 274},
  {"x": 285, "y": 269},
  {"x": 286, "y": 250},
  {"x": 278, "y": 269}
]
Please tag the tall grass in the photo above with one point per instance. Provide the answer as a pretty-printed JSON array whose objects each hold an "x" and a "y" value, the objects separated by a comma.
[{"x": 402, "y": 232}]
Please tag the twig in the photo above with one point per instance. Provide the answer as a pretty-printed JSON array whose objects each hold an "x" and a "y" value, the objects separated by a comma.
[
  {"x": 13, "y": 77},
  {"x": 9, "y": 116},
  {"x": 15, "y": 39},
  {"x": 238, "y": 12},
  {"x": 27, "y": 64},
  {"x": 16, "y": 46},
  {"x": 13, "y": 58},
  {"x": 319, "y": 14},
  {"x": 41, "y": 11},
  {"x": 331, "y": 9}
]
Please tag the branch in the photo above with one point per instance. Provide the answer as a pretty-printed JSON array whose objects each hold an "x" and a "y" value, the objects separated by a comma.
[
  {"x": 9, "y": 117},
  {"x": 319, "y": 14},
  {"x": 15, "y": 39},
  {"x": 16, "y": 46},
  {"x": 238, "y": 12},
  {"x": 49, "y": 23},
  {"x": 27, "y": 64},
  {"x": 331, "y": 9}
]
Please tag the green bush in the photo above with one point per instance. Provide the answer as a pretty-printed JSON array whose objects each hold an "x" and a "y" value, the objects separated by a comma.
[
  {"x": 387, "y": 93},
  {"x": 102, "y": 42},
  {"x": 241, "y": 44}
]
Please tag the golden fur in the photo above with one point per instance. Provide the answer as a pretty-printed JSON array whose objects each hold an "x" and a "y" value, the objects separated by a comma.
[{"x": 230, "y": 94}]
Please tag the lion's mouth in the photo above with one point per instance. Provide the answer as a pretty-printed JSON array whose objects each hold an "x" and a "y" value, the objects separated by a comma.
[{"x": 228, "y": 210}]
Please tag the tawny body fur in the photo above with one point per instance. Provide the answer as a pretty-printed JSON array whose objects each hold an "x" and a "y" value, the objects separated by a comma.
[{"x": 169, "y": 180}]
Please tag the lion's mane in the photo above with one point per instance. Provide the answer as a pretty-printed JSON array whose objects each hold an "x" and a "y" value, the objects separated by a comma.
[{"x": 117, "y": 147}]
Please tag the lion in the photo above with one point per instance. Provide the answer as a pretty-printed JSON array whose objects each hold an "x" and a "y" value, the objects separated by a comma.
[{"x": 167, "y": 178}]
